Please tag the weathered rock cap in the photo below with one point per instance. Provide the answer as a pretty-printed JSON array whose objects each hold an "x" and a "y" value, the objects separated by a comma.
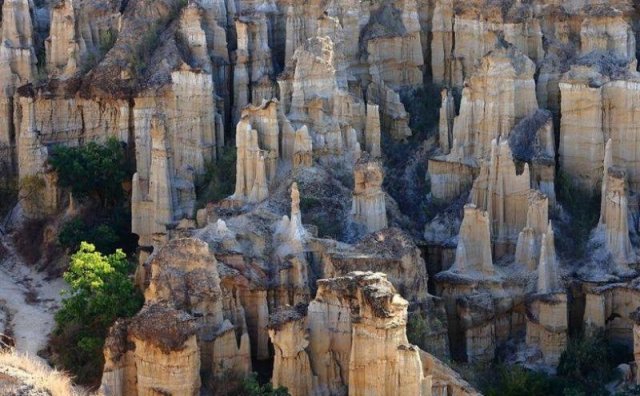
[
  {"x": 378, "y": 293},
  {"x": 286, "y": 315},
  {"x": 164, "y": 327}
]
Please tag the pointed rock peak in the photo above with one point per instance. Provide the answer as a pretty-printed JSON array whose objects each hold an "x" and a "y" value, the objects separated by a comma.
[
  {"x": 473, "y": 254},
  {"x": 548, "y": 279},
  {"x": 295, "y": 200}
]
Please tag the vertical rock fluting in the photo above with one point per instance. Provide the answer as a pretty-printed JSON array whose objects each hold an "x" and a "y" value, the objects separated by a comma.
[
  {"x": 153, "y": 353},
  {"x": 289, "y": 334},
  {"x": 504, "y": 195},
  {"x": 598, "y": 104},
  {"x": 447, "y": 115},
  {"x": 614, "y": 223},
  {"x": 348, "y": 314},
  {"x": 473, "y": 254},
  {"x": 369, "y": 208},
  {"x": 290, "y": 239},
  {"x": 529, "y": 245},
  {"x": 500, "y": 93},
  {"x": 189, "y": 325}
]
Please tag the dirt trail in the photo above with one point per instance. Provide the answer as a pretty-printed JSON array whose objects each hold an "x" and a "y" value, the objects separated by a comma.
[{"x": 30, "y": 299}]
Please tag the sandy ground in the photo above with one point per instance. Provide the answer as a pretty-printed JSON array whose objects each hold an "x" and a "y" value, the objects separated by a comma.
[{"x": 30, "y": 299}]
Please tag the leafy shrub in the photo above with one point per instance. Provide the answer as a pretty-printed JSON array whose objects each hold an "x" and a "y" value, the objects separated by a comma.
[
  {"x": 518, "y": 381},
  {"x": 589, "y": 362},
  {"x": 219, "y": 179},
  {"x": 417, "y": 326},
  {"x": 251, "y": 387},
  {"x": 100, "y": 292},
  {"x": 107, "y": 39},
  {"x": 92, "y": 170}
]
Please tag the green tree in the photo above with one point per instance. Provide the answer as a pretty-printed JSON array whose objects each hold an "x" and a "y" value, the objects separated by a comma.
[
  {"x": 75, "y": 231},
  {"x": 92, "y": 170},
  {"x": 100, "y": 292}
]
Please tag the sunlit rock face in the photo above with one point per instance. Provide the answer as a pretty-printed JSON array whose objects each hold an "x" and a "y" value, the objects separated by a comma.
[
  {"x": 369, "y": 208},
  {"x": 330, "y": 343}
]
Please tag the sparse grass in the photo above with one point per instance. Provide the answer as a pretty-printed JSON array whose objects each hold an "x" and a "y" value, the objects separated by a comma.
[{"x": 38, "y": 374}]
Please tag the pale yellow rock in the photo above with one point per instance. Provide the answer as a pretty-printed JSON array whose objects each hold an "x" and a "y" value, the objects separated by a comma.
[
  {"x": 292, "y": 368},
  {"x": 610, "y": 308},
  {"x": 504, "y": 195},
  {"x": 581, "y": 130},
  {"x": 530, "y": 239},
  {"x": 447, "y": 115},
  {"x": 614, "y": 214},
  {"x": 367, "y": 356},
  {"x": 302, "y": 148},
  {"x": 500, "y": 93},
  {"x": 160, "y": 369},
  {"x": 473, "y": 254},
  {"x": 547, "y": 326},
  {"x": 369, "y": 208},
  {"x": 449, "y": 179},
  {"x": 372, "y": 131},
  {"x": 612, "y": 34},
  {"x": 548, "y": 277}
]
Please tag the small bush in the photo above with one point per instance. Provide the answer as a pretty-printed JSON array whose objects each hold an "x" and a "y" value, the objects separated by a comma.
[
  {"x": 589, "y": 362},
  {"x": 417, "y": 327},
  {"x": 251, "y": 387},
  {"x": 107, "y": 40},
  {"x": 518, "y": 381},
  {"x": 219, "y": 179},
  {"x": 100, "y": 292}
]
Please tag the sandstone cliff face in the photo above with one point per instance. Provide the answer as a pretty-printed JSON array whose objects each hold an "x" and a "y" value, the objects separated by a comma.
[
  {"x": 588, "y": 97},
  {"x": 80, "y": 33},
  {"x": 358, "y": 307},
  {"x": 504, "y": 194},
  {"x": 617, "y": 301}
]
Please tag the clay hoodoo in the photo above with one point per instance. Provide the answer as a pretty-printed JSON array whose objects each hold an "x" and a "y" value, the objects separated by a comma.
[
  {"x": 348, "y": 312},
  {"x": 369, "y": 208}
]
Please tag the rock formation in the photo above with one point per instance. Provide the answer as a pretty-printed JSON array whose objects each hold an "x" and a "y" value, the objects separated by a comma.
[
  {"x": 331, "y": 343},
  {"x": 588, "y": 93},
  {"x": 504, "y": 195},
  {"x": 547, "y": 314},
  {"x": 499, "y": 94},
  {"x": 612, "y": 232},
  {"x": 609, "y": 308},
  {"x": 341, "y": 167},
  {"x": 186, "y": 327},
  {"x": 369, "y": 208},
  {"x": 473, "y": 254}
]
